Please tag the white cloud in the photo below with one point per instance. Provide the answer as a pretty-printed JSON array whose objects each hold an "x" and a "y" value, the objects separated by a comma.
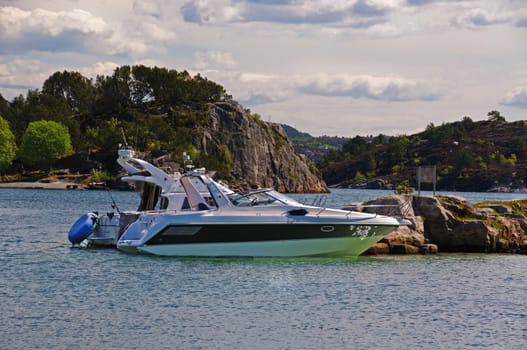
[
  {"x": 516, "y": 98},
  {"x": 150, "y": 8},
  {"x": 385, "y": 88},
  {"x": 20, "y": 75},
  {"x": 213, "y": 59},
  {"x": 480, "y": 17},
  {"x": 99, "y": 68},
  {"x": 15, "y": 22},
  {"x": 253, "y": 89},
  {"x": 293, "y": 12},
  {"x": 76, "y": 31},
  {"x": 211, "y": 11}
]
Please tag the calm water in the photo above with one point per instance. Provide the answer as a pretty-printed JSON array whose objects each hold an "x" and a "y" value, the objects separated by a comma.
[{"x": 56, "y": 297}]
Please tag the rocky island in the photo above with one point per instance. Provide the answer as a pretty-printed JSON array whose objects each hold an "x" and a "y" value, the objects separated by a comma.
[{"x": 451, "y": 224}]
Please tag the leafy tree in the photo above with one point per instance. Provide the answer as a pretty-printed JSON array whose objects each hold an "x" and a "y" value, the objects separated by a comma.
[
  {"x": 105, "y": 136},
  {"x": 356, "y": 146},
  {"x": 495, "y": 116},
  {"x": 44, "y": 142},
  {"x": 7, "y": 145},
  {"x": 74, "y": 89}
]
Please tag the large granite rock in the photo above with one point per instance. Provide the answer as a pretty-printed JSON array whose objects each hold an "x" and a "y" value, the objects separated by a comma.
[
  {"x": 455, "y": 225},
  {"x": 261, "y": 154}
]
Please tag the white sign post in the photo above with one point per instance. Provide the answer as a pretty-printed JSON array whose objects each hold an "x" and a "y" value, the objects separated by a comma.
[{"x": 426, "y": 174}]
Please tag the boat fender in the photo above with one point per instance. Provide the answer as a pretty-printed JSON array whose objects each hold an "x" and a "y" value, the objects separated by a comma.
[
  {"x": 82, "y": 228},
  {"x": 297, "y": 212}
]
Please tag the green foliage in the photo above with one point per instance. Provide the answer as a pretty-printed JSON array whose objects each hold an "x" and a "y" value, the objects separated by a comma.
[
  {"x": 396, "y": 169},
  {"x": 258, "y": 120},
  {"x": 321, "y": 149},
  {"x": 158, "y": 108},
  {"x": 356, "y": 146},
  {"x": 404, "y": 188},
  {"x": 107, "y": 135},
  {"x": 44, "y": 142},
  {"x": 100, "y": 175},
  {"x": 510, "y": 161},
  {"x": 279, "y": 141},
  {"x": 7, "y": 145},
  {"x": 495, "y": 116},
  {"x": 312, "y": 167},
  {"x": 359, "y": 177},
  {"x": 72, "y": 88},
  {"x": 225, "y": 155},
  {"x": 449, "y": 131},
  {"x": 221, "y": 162},
  {"x": 463, "y": 160},
  {"x": 447, "y": 170}
]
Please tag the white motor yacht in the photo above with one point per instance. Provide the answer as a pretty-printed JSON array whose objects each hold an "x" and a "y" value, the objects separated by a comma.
[{"x": 262, "y": 223}]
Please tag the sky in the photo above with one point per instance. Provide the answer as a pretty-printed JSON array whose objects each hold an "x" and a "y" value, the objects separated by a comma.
[{"x": 326, "y": 67}]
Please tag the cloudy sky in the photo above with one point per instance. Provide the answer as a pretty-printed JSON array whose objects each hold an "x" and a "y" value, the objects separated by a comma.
[{"x": 335, "y": 67}]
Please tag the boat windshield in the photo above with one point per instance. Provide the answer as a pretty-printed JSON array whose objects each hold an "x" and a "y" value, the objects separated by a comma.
[{"x": 261, "y": 197}]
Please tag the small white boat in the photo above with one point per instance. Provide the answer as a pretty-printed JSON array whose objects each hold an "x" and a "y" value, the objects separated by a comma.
[{"x": 159, "y": 190}]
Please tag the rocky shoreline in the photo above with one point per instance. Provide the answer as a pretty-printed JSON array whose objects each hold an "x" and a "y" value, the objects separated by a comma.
[
  {"x": 450, "y": 224},
  {"x": 54, "y": 185}
]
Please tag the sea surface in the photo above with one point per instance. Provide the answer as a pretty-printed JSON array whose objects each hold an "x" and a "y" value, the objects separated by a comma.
[{"x": 53, "y": 296}]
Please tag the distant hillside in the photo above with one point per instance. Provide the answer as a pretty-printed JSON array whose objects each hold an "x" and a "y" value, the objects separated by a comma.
[
  {"x": 469, "y": 156},
  {"x": 315, "y": 148}
]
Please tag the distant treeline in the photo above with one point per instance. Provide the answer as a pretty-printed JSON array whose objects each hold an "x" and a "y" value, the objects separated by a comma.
[{"x": 469, "y": 155}]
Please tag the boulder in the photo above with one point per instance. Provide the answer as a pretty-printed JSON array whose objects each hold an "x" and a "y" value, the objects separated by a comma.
[
  {"x": 404, "y": 249},
  {"x": 404, "y": 239},
  {"x": 428, "y": 249},
  {"x": 455, "y": 225},
  {"x": 378, "y": 248},
  {"x": 404, "y": 235},
  {"x": 394, "y": 205}
]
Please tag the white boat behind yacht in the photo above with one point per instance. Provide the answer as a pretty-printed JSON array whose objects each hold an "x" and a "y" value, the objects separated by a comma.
[{"x": 159, "y": 190}]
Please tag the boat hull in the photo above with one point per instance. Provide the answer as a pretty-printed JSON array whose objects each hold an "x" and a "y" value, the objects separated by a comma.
[
  {"x": 338, "y": 246},
  {"x": 265, "y": 240}
]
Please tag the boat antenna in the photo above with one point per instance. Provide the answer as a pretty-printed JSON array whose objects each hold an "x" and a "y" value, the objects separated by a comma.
[
  {"x": 114, "y": 204},
  {"x": 124, "y": 138}
]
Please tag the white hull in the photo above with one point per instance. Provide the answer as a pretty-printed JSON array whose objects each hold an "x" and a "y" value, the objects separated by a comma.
[{"x": 339, "y": 246}]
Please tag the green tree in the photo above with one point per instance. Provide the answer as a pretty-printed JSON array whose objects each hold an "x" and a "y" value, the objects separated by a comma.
[
  {"x": 495, "y": 116},
  {"x": 356, "y": 146},
  {"x": 74, "y": 89},
  {"x": 7, "y": 145},
  {"x": 44, "y": 142}
]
